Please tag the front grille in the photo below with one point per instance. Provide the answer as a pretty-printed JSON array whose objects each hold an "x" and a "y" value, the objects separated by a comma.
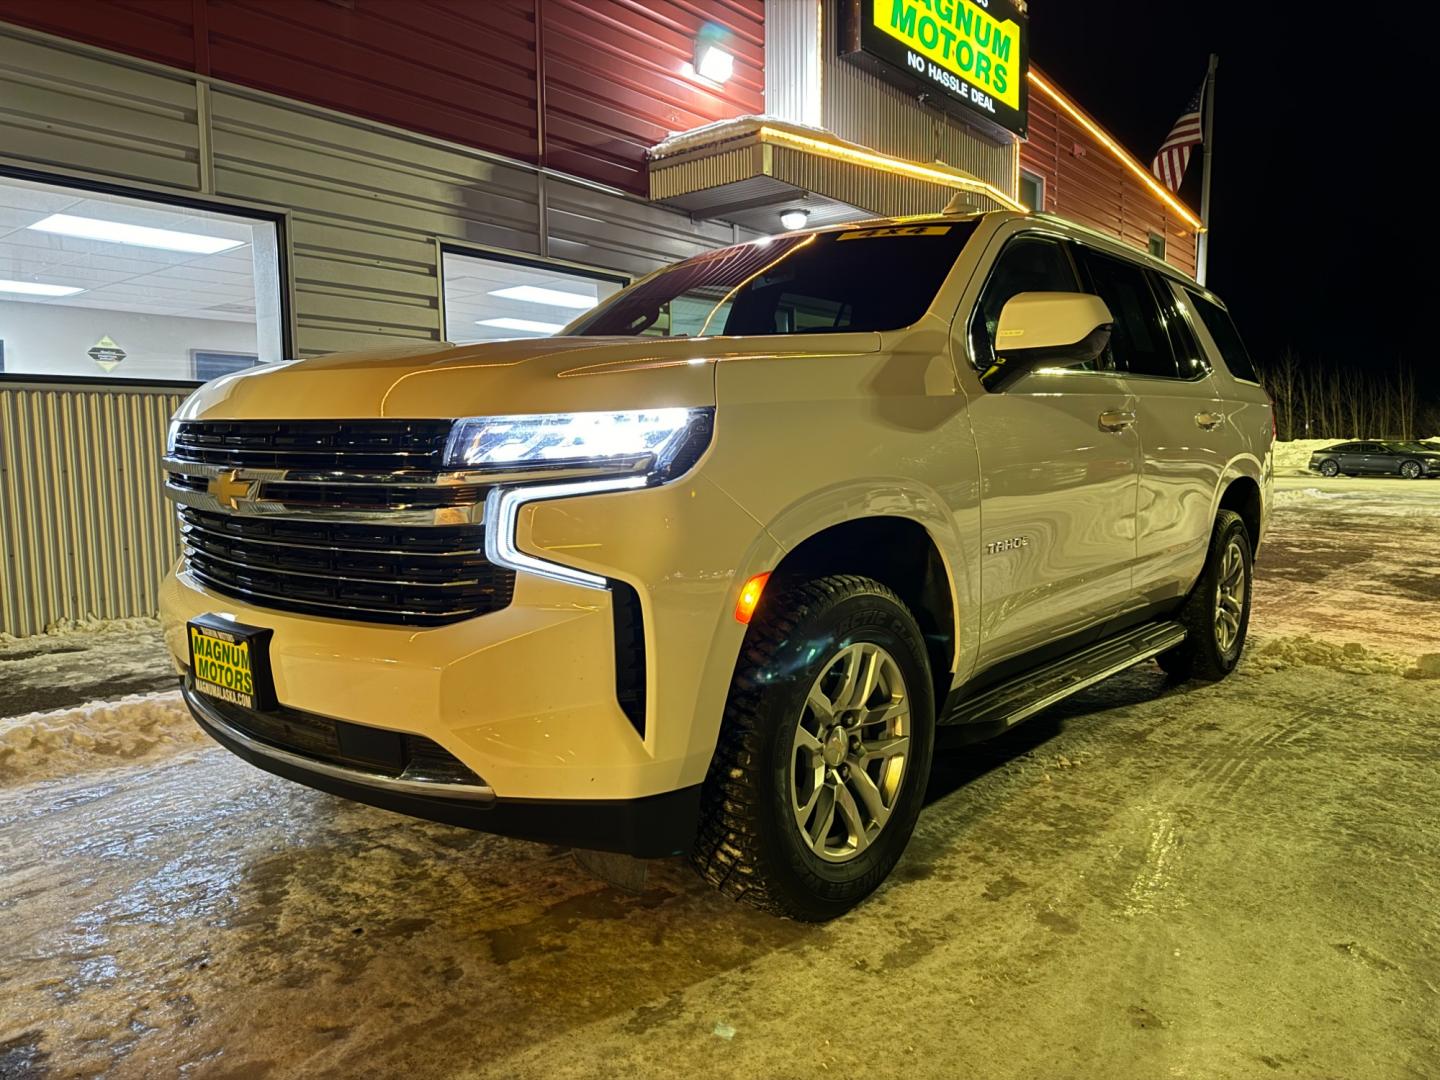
[
  {"x": 394, "y": 754},
  {"x": 377, "y": 573},
  {"x": 348, "y": 519},
  {"x": 354, "y": 445}
]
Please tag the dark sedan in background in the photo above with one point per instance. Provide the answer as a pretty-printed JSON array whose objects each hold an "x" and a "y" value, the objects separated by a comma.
[{"x": 1411, "y": 460}]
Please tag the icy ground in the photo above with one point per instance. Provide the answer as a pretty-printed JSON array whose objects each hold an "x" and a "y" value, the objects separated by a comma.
[{"x": 1235, "y": 880}]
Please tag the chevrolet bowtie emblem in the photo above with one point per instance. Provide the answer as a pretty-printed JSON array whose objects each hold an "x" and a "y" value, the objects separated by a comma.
[{"x": 228, "y": 489}]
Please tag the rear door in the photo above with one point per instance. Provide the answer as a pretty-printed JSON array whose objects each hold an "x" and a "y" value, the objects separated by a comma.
[
  {"x": 1059, "y": 468},
  {"x": 1180, "y": 420}
]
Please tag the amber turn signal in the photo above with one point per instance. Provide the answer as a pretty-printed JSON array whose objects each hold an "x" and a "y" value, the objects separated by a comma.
[{"x": 750, "y": 596}]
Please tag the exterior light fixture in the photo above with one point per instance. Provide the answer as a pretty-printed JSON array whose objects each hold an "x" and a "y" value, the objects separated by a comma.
[
  {"x": 713, "y": 62},
  {"x": 794, "y": 219}
]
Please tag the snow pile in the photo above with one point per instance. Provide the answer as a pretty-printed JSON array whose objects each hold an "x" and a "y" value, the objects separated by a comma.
[
  {"x": 44, "y": 744},
  {"x": 1294, "y": 456},
  {"x": 1277, "y": 653},
  {"x": 64, "y": 627}
]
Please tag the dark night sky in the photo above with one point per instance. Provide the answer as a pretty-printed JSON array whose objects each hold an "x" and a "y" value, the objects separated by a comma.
[{"x": 1319, "y": 136}]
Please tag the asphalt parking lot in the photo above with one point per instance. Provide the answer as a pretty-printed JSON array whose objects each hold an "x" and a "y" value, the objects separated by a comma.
[{"x": 1233, "y": 880}]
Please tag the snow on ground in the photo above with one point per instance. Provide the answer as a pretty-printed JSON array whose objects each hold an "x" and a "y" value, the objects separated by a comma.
[
  {"x": 40, "y": 745},
  {"x": 1205, "y": 880}
]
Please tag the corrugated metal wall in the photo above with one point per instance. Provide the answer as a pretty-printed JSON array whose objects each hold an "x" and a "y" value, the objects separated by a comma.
[
  {"x": 868, "y": 110},
  {"x": 83, "y": 532},
  {"x": 366, "y": 205},
  {"x": 582, "y": 86},
  {"x": 1086, "y": 183}
]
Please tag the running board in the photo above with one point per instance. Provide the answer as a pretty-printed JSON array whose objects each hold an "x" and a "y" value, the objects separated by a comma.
[{"x": 1023, "y": 696}]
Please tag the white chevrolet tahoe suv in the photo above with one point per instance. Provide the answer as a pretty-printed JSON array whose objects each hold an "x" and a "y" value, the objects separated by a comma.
[{"x": 707, "y": 572}]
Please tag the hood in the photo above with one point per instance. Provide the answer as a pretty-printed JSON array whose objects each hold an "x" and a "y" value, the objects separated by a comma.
[{"x": 531, "y": 375}]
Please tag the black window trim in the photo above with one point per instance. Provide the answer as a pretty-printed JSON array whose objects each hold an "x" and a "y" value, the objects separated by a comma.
[
  {"x": 280, "y": 218},
  {"x": 1157, "y": 282}
]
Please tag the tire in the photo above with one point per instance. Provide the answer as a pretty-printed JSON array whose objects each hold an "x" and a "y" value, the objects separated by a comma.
[
  {"x": 1213, "y": 645},
  {"x": 803, "y": 640},
  {"x": 1410, "y": 470},
  {"x": 1329, "y": 468}
]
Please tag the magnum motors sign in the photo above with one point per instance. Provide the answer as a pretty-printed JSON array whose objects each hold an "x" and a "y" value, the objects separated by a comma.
[{"x": 974, "y": 53}]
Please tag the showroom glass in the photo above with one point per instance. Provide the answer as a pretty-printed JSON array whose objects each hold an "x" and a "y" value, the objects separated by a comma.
[
  {"x": 1028, "y": 264},
  {"x": 488, "y": 298},
  {"x": 861, "y": 279},
  {"x": 108, "y": 286},
  {"x": 1227, "y": 339},
  {"x": 1140, "y": 342}
]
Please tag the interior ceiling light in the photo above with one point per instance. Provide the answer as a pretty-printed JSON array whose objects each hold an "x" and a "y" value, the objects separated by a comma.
[
  {"x": 794, "y": 219},
  {"x": 38, "y": 288},
  {"x": 713, "y": 62},
  {"x": 535, "y": 294},
  {"x": 116, "y": 232},
  {"x": 530, "y": 326}
]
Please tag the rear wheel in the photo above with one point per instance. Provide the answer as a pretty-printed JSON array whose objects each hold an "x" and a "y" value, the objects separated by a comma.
[
  {"x": 1216, "y": 614},
  {"x": 1410, "y": 470},
  {"x": 1329, "y": 468},
  {"x": 824, "y": 753}
]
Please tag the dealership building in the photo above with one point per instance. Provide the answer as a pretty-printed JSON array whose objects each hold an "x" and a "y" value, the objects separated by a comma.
[{"x": 190, "y": 187}]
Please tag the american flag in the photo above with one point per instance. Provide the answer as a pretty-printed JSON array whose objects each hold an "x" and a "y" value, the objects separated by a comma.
[{"x": 1174, "y": 156}]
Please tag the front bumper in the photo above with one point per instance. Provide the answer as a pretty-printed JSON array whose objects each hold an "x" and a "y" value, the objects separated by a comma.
[
  {"x": 526, "y": 697},
  {"x": 649, "y": 827}
]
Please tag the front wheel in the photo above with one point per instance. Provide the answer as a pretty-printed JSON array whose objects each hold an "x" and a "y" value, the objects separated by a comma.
[
  {"x": 824, "y": 751},
  {"x": 1410, "y": 470},
  {"x": 1216, "y": 614}
]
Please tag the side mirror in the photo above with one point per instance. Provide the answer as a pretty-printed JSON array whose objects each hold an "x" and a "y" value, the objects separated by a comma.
[{"x": 1048, "y": 329}]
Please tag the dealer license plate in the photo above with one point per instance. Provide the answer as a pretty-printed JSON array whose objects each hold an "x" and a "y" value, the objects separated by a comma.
[{"x": 231, "y": 662}]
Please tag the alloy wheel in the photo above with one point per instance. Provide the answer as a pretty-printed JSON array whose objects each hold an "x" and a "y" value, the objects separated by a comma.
[
  {"x": 850, "y": 750},
  {"x": 1410, "y": 470},
  {"x": 1230, "y": 598}
]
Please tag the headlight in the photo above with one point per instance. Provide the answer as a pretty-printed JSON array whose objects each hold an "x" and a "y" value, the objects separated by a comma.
[{"x": 654, "y": 441}]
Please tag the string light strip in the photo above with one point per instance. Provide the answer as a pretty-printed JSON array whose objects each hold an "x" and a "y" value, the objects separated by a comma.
[
  {"x": 1120, "y": 153},
  {"x": 886, "y": 163}
]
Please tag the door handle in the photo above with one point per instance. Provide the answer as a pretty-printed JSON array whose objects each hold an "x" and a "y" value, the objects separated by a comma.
[
  {"x": 1116, "y": 419},
  {"x": 1209, "y": 420}
]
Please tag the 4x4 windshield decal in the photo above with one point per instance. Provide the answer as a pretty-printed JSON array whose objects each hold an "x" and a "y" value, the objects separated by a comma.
[{"x": 896, "y": 230}]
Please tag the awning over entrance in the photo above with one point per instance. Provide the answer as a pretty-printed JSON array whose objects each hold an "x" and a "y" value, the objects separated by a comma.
[{"x": 747, "y": 170}]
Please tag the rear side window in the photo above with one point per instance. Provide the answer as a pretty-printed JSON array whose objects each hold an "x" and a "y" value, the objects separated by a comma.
[
  {"x": 1140, "y": 341},
  {"x": 1227, "y": 339},
  {"x": 1028, "y": 264}
]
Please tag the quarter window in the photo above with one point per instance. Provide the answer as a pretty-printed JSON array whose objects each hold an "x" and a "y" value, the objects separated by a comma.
[
  {"x": 1140, "y": 342},
  {"x": 1227, "y": 339},
  {"x": 100, "y": 285}
]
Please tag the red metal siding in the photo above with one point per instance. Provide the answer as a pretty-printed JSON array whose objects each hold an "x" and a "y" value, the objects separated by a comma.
[
  {"x": 1086, "y": 183},
  {"x": 616, "y": 73},
  {"x": 618, "y": 78}
]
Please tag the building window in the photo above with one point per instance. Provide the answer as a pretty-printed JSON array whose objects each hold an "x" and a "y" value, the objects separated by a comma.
[
  {"x": 490, "y": 297},
  {"x": 1032, "y": 190},
  {"x": 1157, "y": 246},
  {"x": 102, "y": 285}
]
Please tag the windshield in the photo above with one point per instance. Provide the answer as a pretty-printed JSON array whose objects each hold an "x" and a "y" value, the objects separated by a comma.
[
  {"x": 879, "y": 278},
  {"x": 1413, "y": 446}
]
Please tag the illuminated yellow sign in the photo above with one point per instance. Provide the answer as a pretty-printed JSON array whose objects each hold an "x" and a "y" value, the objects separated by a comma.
[{"x": 962, "y": 40}]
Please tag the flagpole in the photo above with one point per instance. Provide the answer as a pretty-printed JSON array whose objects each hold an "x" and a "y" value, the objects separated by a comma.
[{"x": 1202, "y": 255}]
